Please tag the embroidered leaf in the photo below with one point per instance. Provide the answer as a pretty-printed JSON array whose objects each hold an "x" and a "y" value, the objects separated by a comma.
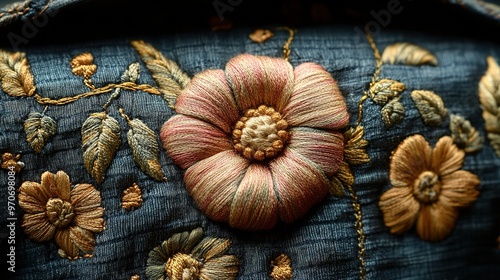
[
  {"x": 132, "y": 73},
  {"x": 355, "y": 146},
  {"x": 132, "y": 197},
  {"x": 393, "y": 112},
  {"x": 100, "y": 141},
  {"x": 261, "y": 35},
  {"x": 343, "y": 178},
  {"x": 167, "y": 74},
  {"x": 489, "y": 95},
  {"x": 409, "y": 54},
  {"x": 282, "y": 268},
  {"x": 384, "y": 90},
  {"x": 39, "y": 128},
  {"x": 15, "y": 74},
  {"x": 430, "y": 107},
  {"x": 142, "y": 142},
  {"x": 464, "y": 135}
]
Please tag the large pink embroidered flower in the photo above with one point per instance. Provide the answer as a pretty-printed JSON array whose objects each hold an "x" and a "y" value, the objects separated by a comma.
[{"x": 259, "y": 141}]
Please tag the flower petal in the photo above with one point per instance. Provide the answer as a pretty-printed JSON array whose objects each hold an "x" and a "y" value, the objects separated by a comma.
[
  {"x": 410, "y": 158},
  {"x": 37, "y": 227},
  {"x": 83, "y": 239},
  {"x": 49, "y": 185},
  {"x": 31, "y": 197},
  {"x": 63, "y": 185},
  {"x": 458, "y": 189},
  {"x": 299, "y": 185},
  {"x": 65, "y": 243},
  {"x": 188, "y": 140},
  {"x": 400, "y": 209},
  {"x": 224, "y": 267},
  {"x": 84, "y": 198},
  {"x": 213, "y": 182},
  {"x": 260, "y": 80},
  {"x": 210, "y": 248},
  {"x": 316, "y": 100},
  {"x": 209, "y": 98},
  {"x": 446, "y": 156},
  {"x": 254, "y": 206},
  {"x": 436, "y": 221},
  {"x": 323, "y": 148}
]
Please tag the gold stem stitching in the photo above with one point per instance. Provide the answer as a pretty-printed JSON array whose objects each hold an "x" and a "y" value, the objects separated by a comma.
[
  {"x": 359, "y": 230},
  {"x": 286, "y": 47},
  {"x": 126, "y": 86}
]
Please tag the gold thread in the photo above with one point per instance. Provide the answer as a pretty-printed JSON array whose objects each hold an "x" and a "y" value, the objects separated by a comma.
[
  {"x": 378, "y": 66},
  {"x": 286, "y": 47},
  {"x": 359, "y": 230},
  {"x": 126, "y": 86}
]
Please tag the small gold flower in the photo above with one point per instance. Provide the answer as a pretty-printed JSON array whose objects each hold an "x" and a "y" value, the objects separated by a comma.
[
  {"x": 187, "y": 256},
  {"x": 428, "y": 188},
  {"x": 282, "y": 268},
  {"x": 13, "y": 161},
  {"x": 132, "y": 197},
  {"x": 54, "y": 210}
]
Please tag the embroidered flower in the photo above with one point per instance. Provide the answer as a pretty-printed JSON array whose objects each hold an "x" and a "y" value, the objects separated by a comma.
[
  {"x": 282, "y": 268},
  {"x": 259, "y": 140},
  {"x": 187, "y": 256},
  {"x": 56, "y": 211},
  {"x": 428, "y": 188}
]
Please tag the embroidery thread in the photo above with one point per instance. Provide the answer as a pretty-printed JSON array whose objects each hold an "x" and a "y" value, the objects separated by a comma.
[
  {"x": 188, "y": 255},
  {"x": 489, "y": 96},
  {"x": 261, "y": 35},
  {"x": 430, "y": 106},
  {"x": 132, "y": 197},
  {"x": 464, "y": 135},
  {"x": 287, "y": 151},
  {"x": 408, "y": 54},
  {"x": 10, "y": 161},
  {"x": 69, "y": 215},
  {"x": 39, "y": 128},
  {"x": 282, "y": 268},
  {"x": 15, "y": 74},
  {"x": 428, "y": 188}
]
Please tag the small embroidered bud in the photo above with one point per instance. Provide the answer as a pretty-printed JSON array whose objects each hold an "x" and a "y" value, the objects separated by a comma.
[
  {"x": 132, "y": 197},
  {"x": 83, "y": 65},
  {"x": 261, "y": 35},
  {"x": 12, "y": 161},
  {"x": 385, "y": 90},
  {"x": 430, "y": 106},
  {"x": 464, "y": 135},
  {"x": 282, "y": 268},
  {"x": 393, "y": 112}
]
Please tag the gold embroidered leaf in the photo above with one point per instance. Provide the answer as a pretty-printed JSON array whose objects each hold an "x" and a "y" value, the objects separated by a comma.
[
  {"x": 430, "y": 106},
  {"x": 464, "y": 135},
  {"x": 384, "y": 90},
  {"x": 343, "y": 178},
  {"x": 15, "y": 74},
  {"x": 393, "y": 112},
  {"x": 261, "y": 35},
  {"x": 409, "y": 54},
  {"x": 100, "y": 141},
  {"x": 39, "y": 128},
  {"x": 83, "y": 65},
  {"x": 355, "y": 146},
  {"x": 167, "y": 74},
  {"x": 489, "y": 96},
  {"x": 132, "y": 197},
  {"x": 142, "y": 142}
]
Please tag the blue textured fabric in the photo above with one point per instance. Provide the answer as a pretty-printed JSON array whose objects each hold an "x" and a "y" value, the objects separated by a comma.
[{"x": 322, "y": 245}]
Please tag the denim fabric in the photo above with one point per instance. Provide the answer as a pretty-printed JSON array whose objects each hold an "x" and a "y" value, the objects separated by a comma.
[{"x": 322, "y": 245}]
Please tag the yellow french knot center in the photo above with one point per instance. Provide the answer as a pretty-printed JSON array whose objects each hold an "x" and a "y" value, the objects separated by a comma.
[
  {"x": 183, "y": 267},
  {"x": 260, "y": 134}
]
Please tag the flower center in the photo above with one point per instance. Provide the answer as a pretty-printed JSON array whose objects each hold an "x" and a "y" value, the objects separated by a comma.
[
  {"x": 260, "y": 134},
  {"x": 427, "y": 187},
  {"x": 182, "y": 267},
  {"x": 59, "y": 212}
]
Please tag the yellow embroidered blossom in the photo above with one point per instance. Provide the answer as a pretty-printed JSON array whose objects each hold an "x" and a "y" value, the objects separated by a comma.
[
  {"x": 428, "y": 188},
  {"x": 282, "y": 268},
  {"x": 54, "y": 210},
  {"x": 187, "y": 256}
]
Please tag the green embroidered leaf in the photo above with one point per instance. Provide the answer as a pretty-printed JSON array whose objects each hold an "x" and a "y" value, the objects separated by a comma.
[
  {"x": 489, "y": 96},
  {"x": 132, "y": 73},
  {"x": 430, "y": 107},
  {"x": 39, "y": 128},
  {"x": 409, "y": 54},
  {"x": 100, "y": 141},
  {"x": 393, "y": 112},
  {"x": 15, "y": 74},
  {"x": 464, "y": 135},
  {"x": 142, "y": 142},
  {"x": 167, "y": 74},
  {"x": 385, "y": 90}
]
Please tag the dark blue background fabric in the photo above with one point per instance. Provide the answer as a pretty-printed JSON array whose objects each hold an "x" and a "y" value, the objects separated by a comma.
[{"x": 322, "y": 245}]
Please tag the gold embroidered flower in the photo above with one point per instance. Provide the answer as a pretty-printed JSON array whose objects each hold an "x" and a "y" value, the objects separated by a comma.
[
  {"x": 54, "y": 210},
  {"x": 428, "y": 188},
  {"x": 187, "y": 256},
  {"x": 259, "y": 140}
]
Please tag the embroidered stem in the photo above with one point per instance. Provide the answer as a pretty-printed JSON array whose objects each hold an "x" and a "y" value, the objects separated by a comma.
[
  {"x": 378, "y": 66},
  {"x": 359, "y": 229},
  {"x": 127, "y": 86},
  {"x": 286, "y": 47}
]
